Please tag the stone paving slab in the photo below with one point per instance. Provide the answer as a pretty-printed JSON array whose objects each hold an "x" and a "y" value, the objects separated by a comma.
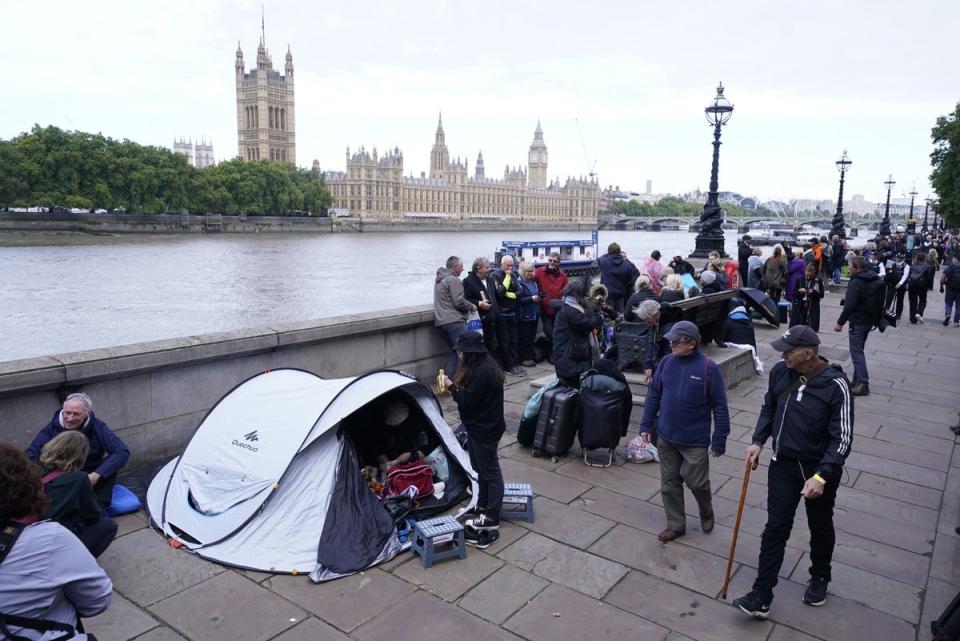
[
  {"x": 159, "y": 634},
  {"x": 567, "y": 524},
  {"x": 559, "y": 613},
  {"x": 414, "y": 616},
  {"x": 451, "y": 578},
  {"x": 311, "y": 630},
  {"x": 877, "y": 592},
  {"x": 688, "y": 612},
  {"x": 503, "y": 593},
  {"x": 900, "y": 490},
  {"x": 345, "y": 603},
  {"x": 145, "y": 569},
  {"x": 545, "y": 484},
  {"x": 228, "y": 606},
  {"x": 122, "y": 621},
  {"x": 587, "y": 573}
]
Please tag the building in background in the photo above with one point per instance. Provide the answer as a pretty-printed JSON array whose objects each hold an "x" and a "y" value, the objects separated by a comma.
[
  {"x": 374, "y": 187},
  {"x": 184, "y": 147},
  {"x": 266, "y": 123},
  {"x": 198, "y": 155}
]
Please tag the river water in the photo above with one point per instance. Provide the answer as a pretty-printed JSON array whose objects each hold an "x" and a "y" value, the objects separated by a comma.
[{"x": 69, "y": 293}]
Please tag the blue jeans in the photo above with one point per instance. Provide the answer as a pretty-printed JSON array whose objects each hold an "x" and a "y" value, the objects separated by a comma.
[
  {"x": 858, "y": 339},
  {"x": 836, "y": 275},
  {"x": 450, "y": 333},
  {"x": 951, "y": 301}
]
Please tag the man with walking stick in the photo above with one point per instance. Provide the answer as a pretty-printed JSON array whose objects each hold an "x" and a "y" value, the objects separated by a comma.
[{"x": 808, "y": 411}]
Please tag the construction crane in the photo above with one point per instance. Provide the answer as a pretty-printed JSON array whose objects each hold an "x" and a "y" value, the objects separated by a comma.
[{"x": 592, "y": 167}]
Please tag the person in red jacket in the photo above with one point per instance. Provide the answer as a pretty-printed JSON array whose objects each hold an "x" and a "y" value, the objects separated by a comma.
[{"x": 551, "y": 280}]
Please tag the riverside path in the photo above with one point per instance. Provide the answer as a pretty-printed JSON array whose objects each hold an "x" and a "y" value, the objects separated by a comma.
[{"x": 590, "y": 567}]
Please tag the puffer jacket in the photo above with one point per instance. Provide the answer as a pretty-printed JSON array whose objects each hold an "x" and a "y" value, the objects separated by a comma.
[
  {"x": 617, "y": 274},
  {"x": 813, "y": 424}
]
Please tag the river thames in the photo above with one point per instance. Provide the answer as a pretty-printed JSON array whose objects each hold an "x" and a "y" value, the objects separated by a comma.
[{"x": 69, "y": 293}]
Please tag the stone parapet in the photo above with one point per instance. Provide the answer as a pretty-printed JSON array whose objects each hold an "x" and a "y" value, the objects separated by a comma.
[{"x": 154, "y": 394}]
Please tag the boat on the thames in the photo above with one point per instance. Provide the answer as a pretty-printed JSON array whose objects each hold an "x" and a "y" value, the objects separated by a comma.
[{"x": 577, "y": 257}]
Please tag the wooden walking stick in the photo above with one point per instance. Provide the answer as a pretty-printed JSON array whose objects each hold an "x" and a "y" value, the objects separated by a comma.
[{"x": 736, "y": 529}]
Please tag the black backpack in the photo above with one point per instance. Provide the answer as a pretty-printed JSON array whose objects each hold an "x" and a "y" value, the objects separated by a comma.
[{"x": 953, "y": 278}]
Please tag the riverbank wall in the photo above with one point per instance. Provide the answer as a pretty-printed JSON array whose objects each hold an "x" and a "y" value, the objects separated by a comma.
[
  {"x": 110, "y": 224},
  {"x": 153, "y": 395}
]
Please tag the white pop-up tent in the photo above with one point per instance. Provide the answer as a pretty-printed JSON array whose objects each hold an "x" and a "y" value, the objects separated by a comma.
[{"x": 271, "y": 479}]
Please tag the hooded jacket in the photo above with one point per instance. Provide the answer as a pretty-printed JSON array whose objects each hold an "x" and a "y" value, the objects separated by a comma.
[
  {"x": 855, "y": 300},
  {"x": 449, "y": 304},
  {"x": 685, "y": 391},
  {"x": 617, "y": 274},
  {"x": 813, "y": 424},
  {"x": 572, "y": 348}
]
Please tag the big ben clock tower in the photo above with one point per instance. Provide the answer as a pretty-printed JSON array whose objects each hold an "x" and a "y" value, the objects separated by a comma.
[{"x": 537, "y": 161}]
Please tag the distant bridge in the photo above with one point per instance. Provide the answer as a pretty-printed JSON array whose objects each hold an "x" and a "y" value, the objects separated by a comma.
[{"x": 743, "y": 225}]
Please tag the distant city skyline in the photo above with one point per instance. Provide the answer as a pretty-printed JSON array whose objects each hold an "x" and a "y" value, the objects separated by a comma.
[{"x": 630, "y": 101}]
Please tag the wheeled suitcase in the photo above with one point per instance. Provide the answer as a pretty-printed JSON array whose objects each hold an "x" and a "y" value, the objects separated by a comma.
[
  {"x": 556, "y": 422},
  {"x": 783, "y": 311},
  {"x": 946, "y": 627},
  {"x": 631, "y": 340},
  {"x": 605, "y": 406}
]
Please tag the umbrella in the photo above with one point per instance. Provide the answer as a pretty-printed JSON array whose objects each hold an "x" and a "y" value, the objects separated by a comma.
[{"x": 759, "y": 301}]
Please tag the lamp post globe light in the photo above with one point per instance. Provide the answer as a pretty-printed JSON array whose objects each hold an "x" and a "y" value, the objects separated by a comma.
[
  {"x": 885, "y": 224},
  {"x": 710, "y": 237},
  {"x": 839, "y": 227}
]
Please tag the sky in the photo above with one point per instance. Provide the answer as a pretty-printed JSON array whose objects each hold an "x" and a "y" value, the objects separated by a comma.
[{"x": 619, "y": 87}]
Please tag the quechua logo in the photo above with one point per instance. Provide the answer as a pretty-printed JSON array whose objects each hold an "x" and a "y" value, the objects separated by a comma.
[{"x": 249, "y": 437}]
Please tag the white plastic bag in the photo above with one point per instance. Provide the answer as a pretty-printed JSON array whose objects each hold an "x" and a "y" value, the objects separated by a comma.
[
  {"x": 474, "y": 324},
  {"x": 639, "y": 452}
]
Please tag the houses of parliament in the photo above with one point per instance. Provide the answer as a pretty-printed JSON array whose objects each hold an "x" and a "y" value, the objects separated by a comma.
[{"x": 374, "y": 187}]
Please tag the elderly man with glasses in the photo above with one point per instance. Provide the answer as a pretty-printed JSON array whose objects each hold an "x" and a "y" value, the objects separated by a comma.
[{"x": 687, "y": 388}]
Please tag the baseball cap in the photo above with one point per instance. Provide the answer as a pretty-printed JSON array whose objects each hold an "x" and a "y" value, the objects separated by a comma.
[
  {"x": 682, "y": 329},
  {"x": 796, "y": 336}
]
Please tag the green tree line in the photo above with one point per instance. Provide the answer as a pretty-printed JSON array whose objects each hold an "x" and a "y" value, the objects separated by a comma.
[
  {"x": 673, "y": 207},
  {"x": 945, "y": 160},
  {"x": 51, "y": 167}
]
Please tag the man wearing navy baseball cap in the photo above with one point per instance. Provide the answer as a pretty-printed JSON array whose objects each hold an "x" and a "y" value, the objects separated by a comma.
[{"x": 808, "y": 410}]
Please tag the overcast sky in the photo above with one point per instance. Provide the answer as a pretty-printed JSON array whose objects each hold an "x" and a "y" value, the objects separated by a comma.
[{"x": 807, "y": 78}]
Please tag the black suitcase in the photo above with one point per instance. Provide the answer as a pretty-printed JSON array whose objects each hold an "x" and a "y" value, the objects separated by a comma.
[
  {"x": 605, "y": 406},
  {"x": 557, "y": 422},
  {"x": 947, "y": 626},
  {"x": 631, "y": 342}
]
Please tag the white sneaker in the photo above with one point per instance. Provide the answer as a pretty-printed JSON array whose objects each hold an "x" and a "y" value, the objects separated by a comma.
[{"x": 919, "y": 319}]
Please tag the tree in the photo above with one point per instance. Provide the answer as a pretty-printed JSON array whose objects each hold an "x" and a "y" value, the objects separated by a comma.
[{"x": 945, "y": 160}]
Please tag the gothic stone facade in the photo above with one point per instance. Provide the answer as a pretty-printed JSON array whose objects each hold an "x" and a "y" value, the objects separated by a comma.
[
  {"x": 374, "y": 187},
  {"x": 266, "y": 124}
]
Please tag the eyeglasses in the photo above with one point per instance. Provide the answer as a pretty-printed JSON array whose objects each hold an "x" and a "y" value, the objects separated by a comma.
[{"x": 553, "y": 261}]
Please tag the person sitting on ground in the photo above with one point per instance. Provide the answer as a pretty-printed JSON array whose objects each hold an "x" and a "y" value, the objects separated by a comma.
[
  {"x": 386, "y": 433},
  {"x": 47, "y": 576},
  {"x": 73, "y": 503},
  {"x": 108, "y": 454},
  {"x": 643, "y": 290}
]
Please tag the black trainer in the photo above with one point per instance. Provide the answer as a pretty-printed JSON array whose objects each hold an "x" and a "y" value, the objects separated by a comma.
[
  {"x": 816, "y": 593},
  {"x": 480, "y": 539},
  {"x": 482, "y": 522},
  {"x": 754, "y": 604}
]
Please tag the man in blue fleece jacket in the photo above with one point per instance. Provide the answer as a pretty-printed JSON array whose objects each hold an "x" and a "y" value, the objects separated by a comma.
[{"x": 687, "y": 388}]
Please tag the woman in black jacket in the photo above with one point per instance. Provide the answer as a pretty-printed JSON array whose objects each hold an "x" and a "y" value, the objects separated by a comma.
[
  {"x": 806, "y": 300},
  {"x": 73, "y": 502},
  {"x": 575, "y": 348},
  {"x": 477, "y": 387}
]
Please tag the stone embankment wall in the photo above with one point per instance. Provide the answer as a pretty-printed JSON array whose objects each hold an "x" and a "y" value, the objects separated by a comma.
[
  {"x": 193, "y": 224},
  {"x": 155, "y": 394}
]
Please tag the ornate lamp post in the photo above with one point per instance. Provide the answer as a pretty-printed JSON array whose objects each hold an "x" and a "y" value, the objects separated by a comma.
[
  {"x": 926, "y": 208},
  {"x": 885, "y": 224},
  {"x": 839, "y": 228},
  {"x": 913, "y": 194},
  {"x": 710, "y": 237}
]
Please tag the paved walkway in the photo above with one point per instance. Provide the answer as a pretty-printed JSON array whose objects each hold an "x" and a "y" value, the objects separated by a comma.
[{"x": 590, "y": 567}]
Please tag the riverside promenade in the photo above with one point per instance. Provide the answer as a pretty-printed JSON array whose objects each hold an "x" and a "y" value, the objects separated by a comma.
[{"x": 591, "y": 567}]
